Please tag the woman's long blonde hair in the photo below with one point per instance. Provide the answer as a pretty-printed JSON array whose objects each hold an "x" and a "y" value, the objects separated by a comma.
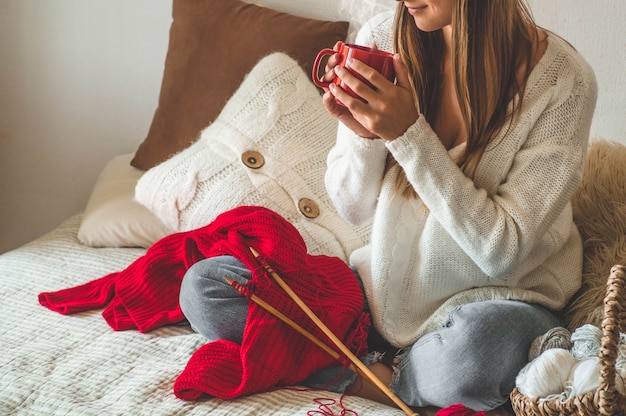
[{"x": 492, "y": 40}]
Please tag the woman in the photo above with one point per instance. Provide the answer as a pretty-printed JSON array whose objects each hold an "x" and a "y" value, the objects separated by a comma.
[{"x": 465, "y": 166}]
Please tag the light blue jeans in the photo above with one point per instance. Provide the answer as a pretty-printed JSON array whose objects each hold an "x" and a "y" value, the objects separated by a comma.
[{"x": 473, "y": 359}]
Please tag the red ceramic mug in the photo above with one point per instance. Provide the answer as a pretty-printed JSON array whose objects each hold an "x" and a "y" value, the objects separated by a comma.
[{"x": 379, "y": 60}]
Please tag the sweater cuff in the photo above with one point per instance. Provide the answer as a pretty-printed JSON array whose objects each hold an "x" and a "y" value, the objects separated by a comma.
[
  {"x": 419, "y": 138},
  {"x": 358, "y": 143}
]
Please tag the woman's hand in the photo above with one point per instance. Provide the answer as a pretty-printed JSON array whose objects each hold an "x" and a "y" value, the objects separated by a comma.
[
  {"x": 333, "y": 61},
  {"x": 335, "y": 109},
  {"x": 344, "y": 115},
  {"x": 389, "y": 109}
]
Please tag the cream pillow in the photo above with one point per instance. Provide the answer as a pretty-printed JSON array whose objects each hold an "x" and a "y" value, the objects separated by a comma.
[
  {"x": 112, "y": 217},
  {"x": 268, "y": 147}
]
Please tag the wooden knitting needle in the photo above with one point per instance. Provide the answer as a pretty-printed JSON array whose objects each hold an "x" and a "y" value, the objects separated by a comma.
[
  {"x": 345, "y": 350},
  {"x": 278, "y": 314}
]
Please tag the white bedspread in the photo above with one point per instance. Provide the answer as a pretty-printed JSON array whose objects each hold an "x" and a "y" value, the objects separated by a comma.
[{"x": 77, "y": 365}]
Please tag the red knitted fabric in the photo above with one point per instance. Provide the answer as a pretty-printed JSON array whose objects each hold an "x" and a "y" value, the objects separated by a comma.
[
  {"x": 145, "y": 296},
  {"x": 459, "y": 410}
]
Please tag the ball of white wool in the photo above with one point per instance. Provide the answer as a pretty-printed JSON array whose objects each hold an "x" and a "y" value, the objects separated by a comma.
[{"x": 547, "y": 374}]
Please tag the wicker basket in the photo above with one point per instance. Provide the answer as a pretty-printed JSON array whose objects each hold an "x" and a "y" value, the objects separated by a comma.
[{"x": 605, "y": 400}]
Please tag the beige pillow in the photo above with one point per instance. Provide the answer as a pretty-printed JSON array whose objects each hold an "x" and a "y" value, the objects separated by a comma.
[
  {"x": 112, "y": 217},
  {"x": 268, "y": 147}
]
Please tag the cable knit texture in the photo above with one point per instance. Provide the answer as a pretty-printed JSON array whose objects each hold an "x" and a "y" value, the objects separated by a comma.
[
  {"x": 508, "y": 234},
  {"x": 144, "y": 296},
  {"x": 278, "y": 115}
]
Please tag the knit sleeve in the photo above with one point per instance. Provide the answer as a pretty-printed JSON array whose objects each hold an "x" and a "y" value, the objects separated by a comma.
[
  {"x": 354, "y": 175},
  {"x": 514, "y": 214},
  {"x": 355, "y": 165},
  {"x": 378, "y": 31}
]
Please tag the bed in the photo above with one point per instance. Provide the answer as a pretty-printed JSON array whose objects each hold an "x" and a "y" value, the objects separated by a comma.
[
  {"x": 77, "y": 365},
  {"x": 192, "y": 166}
]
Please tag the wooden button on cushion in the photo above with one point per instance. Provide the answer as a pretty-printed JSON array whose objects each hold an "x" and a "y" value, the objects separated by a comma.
[{"x": 252, "y": 159}]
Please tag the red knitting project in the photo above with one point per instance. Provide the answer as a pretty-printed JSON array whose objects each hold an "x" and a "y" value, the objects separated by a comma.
[
  {"x": 459, "y": 410},
  {"x": 144, "y": 296}
]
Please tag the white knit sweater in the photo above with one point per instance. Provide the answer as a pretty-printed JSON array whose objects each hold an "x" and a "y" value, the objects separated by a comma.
[{"x": 508, "y": 234}]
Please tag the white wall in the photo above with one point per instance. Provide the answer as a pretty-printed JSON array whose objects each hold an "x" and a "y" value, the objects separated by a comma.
[
  {"x": 597, "y": 29},
  {"x": 79, "y": 83}
]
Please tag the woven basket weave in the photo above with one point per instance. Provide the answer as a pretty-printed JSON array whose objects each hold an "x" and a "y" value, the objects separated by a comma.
[{"x": 605, "y": 400}]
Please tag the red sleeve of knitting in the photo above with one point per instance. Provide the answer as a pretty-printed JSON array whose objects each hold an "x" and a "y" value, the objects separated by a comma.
[{"x": 91, "y": 295}]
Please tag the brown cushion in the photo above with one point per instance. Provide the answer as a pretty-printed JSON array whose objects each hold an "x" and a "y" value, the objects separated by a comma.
[{"x": 213, "y": 45}]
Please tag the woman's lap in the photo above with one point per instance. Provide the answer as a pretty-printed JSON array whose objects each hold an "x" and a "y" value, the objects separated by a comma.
[{"x": 473, "y": 359}]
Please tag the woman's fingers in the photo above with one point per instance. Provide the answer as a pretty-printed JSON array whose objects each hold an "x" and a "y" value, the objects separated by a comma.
[
  {"x": 332, "y": 62},
  {"x": 359, "y": 83},
  {"x": 334, "y": 109},
  {"x": 388, "y": 110},
  {"x": 342, "y": 113},
  {"x": 402, "y": 72}
]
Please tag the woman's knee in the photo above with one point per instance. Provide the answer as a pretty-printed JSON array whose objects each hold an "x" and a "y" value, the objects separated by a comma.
[
  {"x": 490, "y": 340},
  {"x": 502, "y": 324},
  {"x": 476, "y": 356},
  {"x": 205, "y": 279},
  {"x": 212, "y": 307}
]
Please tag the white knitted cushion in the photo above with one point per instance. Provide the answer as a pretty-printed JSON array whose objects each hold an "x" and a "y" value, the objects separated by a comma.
[{"x": 268, "y": 147}]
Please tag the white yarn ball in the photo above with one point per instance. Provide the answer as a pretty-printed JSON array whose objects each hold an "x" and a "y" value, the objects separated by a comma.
[
  {"x": 547, "y": 374},
  {"x": 585, "y": 377}
]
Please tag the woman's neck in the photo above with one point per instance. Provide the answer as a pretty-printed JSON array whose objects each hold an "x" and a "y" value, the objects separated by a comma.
[{"x": 447, "y": 38}]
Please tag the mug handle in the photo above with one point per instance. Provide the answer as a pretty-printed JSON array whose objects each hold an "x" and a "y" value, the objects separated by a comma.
[{"x": 318, "y": 59}]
